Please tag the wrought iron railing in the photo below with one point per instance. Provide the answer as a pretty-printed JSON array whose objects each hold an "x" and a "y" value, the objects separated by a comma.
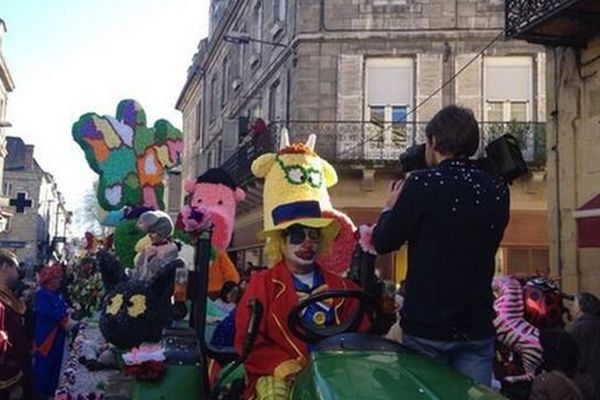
[
  {"x": 365, "y": 142},
  {"x": 522, "y": 15}
]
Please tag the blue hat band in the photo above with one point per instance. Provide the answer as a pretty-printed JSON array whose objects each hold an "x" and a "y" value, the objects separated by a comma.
[{"x": 297, "y": 210}]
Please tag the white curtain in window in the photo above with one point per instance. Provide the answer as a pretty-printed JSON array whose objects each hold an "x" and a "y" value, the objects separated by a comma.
[
  {"x": 508, "y": 78},
  {"x": 389, "y": 81}
]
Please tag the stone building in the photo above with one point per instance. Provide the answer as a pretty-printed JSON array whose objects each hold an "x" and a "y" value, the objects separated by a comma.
[
  {"x": 569, "y": 29},
  {"x": 6, "y": 86},
  {"x": 39, "y": 231},
  {"x": 365, "y": 76}
]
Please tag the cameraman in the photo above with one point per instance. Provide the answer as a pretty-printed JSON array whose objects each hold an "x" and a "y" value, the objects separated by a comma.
[{"x": 453, "y": 217}]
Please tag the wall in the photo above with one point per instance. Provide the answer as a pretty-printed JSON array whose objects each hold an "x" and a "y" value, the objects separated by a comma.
[{"x": 573, "y": 160}]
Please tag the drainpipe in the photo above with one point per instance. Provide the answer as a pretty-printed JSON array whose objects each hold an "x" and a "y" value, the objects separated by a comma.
[{"x": 555, "y": 147}]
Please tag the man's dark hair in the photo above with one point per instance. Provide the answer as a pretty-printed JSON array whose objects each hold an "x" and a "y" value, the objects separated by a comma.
[
  {"x": 560, "y": 352},
  {"x": 589, "y": 304},
  {"x": 456, "y": 131},
  {"x": 8, "y": 257}
]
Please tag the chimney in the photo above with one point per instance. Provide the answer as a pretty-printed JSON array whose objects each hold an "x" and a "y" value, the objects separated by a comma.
[{"x": 28, "y": 158}]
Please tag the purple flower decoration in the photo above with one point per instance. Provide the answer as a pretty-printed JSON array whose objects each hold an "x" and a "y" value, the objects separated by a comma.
[{"x": 192, "y": 219}]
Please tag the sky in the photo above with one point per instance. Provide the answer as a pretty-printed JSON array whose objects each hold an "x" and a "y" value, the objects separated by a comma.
[{"x": 70, "y": 57}]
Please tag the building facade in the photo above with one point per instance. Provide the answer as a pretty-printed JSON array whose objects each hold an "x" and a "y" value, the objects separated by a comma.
[
  {"x": 569, "y": 29},
  {"x": 6, "y": 86},
  {"x": 37, "y": 233},
  {"x": 365, "y": 77}
]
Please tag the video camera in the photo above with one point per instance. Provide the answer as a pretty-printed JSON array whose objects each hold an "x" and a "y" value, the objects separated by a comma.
[{"x": 503, "y": 159}]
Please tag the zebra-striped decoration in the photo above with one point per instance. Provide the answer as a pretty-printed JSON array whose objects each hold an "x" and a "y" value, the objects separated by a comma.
[{"x": 512, "y": 330}]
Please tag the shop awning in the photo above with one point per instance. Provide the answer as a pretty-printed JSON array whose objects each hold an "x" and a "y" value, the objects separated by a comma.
[{"x": 588, "y": 223}]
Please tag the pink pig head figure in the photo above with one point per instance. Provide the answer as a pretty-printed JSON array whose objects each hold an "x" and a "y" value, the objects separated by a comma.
[{"x": 214, "y": 197}]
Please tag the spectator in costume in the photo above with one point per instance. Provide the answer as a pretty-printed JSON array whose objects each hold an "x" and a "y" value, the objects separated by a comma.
[
  {"x": 560, "y": 379},
  {"x": 50, "y": 330},
  {"x": 161, "y": 249},
  {"x": 586, "y": 333},
  {"x": 15, "y": 351}
]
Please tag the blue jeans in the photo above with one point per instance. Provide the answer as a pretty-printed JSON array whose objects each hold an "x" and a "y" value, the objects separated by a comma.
[{"x": 472, "y": 358}]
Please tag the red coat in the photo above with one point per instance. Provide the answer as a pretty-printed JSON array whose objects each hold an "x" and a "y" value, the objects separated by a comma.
[
  {"x": 15, "y": 356},
  {"x": 276, "y": 350}
]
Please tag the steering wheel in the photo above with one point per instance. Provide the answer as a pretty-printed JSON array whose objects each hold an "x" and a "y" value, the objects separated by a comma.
[{"x": 312, "y": 333}]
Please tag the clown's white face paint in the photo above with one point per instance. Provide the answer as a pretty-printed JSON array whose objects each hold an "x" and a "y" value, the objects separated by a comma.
[{"x": 300, "y": 249}]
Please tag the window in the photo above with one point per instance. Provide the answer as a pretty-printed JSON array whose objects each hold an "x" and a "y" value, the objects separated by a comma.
[
  {"x": 199, "y": 121},
  {"x": 258, "y": 27},
  {"x": 226, "y": 81},
  {"x": 5, "y": 223},
  {"x": 279, "y": 10},
  {"x": 508, "y": 88},
  {"x": 219, "y": 158},
  {"x": 256, "y": 111},
  {"x": 275, "y": 102},
  {"x": 525, "y": 262},
  {"x": 213, "y": 97},
  {"x": 242, "y": 54},
  {"x": 7, "y": 189},
  {"x": 389, "y": 86},
  {"x": 210, "y": 159}
]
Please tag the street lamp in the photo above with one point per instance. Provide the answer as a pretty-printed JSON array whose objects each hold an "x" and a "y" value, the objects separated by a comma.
[
  {"x": 245, "y": 38},
  {"x": 5, "y": 124}
]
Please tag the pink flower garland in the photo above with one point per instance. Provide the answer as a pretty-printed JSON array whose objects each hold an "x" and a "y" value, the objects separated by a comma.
[{"x": 64, "y": 391}]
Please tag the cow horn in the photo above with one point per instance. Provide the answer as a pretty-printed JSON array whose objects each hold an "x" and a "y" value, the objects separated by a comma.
[
  {"x": 310, "y": 142},
  {"x": 285, "y": 139}
]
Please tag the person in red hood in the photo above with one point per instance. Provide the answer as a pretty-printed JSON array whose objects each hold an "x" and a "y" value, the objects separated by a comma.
[
  {"x": 51, "y": 322},
  {"x": 299, "y": 235}
]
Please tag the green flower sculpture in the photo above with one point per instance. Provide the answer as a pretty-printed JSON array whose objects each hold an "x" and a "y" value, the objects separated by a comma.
[{"x": 129, "y": 157}]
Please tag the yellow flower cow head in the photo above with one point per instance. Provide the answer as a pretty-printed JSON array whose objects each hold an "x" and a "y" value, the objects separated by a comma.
[{"x": 294, "y": 173}]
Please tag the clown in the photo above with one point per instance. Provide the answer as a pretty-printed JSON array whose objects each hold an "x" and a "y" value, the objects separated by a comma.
[
  {"x": 296, "y": 232},
  {"x": 213, "y": 200}
]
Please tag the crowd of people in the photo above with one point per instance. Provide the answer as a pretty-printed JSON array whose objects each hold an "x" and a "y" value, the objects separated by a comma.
[{"x": 34, "y": 319}]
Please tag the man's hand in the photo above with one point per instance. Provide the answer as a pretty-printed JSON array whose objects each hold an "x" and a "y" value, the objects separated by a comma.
[{"x": 394, "y": 190}]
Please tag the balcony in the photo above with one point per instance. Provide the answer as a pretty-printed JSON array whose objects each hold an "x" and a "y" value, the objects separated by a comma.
[
  {"x": 362, "y": 143},
  {"x": 553, "y": 22}
]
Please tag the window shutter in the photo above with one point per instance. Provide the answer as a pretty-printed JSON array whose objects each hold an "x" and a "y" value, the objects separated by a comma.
[
  {"x": 468, "y": 83},
  {"x": 350, "y": 87},
  {"x": 430, "y": 79}
]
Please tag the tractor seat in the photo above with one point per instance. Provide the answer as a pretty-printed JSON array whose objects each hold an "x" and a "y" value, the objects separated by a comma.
[{"x": 360, "y": 342}]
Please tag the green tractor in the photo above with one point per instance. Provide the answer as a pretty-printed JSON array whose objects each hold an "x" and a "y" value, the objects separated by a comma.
[{"x": 342, "y": 364}]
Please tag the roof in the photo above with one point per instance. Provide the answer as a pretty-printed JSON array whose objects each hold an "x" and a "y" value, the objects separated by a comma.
[{"x": 17, "y": 155}]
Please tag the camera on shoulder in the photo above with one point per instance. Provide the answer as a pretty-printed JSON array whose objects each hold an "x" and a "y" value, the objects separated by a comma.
[{"x": 503, "y": 159}]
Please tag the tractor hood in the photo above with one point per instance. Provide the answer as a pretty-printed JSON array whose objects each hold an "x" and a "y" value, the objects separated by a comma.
[{"x": 381, "y": 373}]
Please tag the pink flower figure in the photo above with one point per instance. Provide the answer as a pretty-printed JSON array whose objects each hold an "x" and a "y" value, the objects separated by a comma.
[{"x": 193, "y": 219}]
